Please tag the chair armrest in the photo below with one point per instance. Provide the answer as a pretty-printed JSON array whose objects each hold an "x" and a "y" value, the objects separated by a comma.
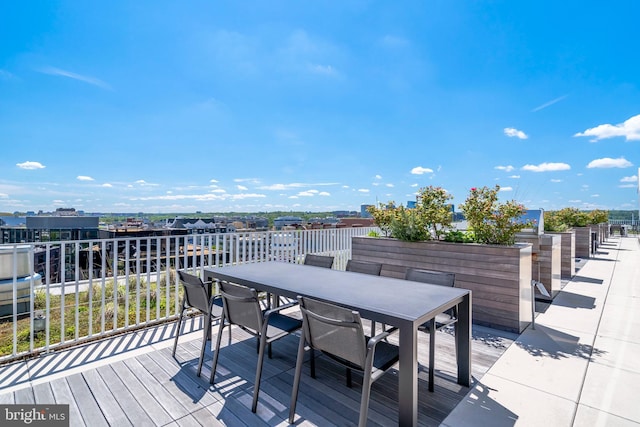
[
  {"x": 381, "y": 336},
  {"x": 279, "y": 308}
]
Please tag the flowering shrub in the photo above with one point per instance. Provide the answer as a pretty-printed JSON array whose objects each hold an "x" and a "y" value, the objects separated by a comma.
[
  {"x": 573, "y": 217},
  {"x": 493, "y": 222},
  {"x": 428, "y": 220}
]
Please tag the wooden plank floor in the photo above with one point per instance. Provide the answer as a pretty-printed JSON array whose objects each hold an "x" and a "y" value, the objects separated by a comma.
[{"x": 155, "y": 389}]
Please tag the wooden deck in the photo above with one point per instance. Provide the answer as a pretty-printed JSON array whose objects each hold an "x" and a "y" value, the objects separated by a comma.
[{"x": 133, "y": 380}]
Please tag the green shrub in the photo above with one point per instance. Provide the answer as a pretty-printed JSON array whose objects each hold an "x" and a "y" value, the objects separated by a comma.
[{"x": 493, "y": 222}]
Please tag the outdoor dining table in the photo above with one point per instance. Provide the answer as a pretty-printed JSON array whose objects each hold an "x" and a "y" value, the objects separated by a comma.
[{"x": 397, "y": 302}]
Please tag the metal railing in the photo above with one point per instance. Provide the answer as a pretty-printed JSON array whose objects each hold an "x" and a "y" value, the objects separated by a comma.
[{"x": 65, "y": 293}]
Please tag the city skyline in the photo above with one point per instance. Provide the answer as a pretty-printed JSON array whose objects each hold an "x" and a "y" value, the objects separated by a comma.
[{"x": 294, "y": 106}]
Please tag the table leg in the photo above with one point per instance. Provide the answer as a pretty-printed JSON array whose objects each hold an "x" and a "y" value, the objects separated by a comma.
[
  {"x": 463, "y": 341},
  {"x": 408, "y": 376}
]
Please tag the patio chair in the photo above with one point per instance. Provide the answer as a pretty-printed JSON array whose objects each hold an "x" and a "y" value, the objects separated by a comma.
[
  {"x": 318, "y": 260},
  {"x": 198, "y": 295},
  {"x": 242, "y": 308},
  {"x": 337, "y": 332},
  {"x": 441, "y": 320},
  {"x": 365, "y": 267}
]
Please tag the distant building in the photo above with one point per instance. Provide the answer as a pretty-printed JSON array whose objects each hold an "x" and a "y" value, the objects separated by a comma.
[
  {"x": 364, "y": 213},
  {"x": 286, "y": 221},
  {"x": 198, "y": 225},
  {"x": 51, "y": 229}
]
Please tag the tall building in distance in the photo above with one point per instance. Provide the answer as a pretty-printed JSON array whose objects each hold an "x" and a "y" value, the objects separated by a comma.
[{"x": 364, "y": 213}]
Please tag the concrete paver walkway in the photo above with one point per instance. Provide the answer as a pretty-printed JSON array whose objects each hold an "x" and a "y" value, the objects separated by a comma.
[{"x": 580, "y": 366}]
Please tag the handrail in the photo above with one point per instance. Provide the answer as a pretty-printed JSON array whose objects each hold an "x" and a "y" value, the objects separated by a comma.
[{"x": 74, "y": 291}]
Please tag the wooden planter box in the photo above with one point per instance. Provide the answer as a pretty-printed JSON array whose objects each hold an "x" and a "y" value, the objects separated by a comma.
[
  {"x": 567, "y": 254},
  {"x": 498, "y": 276},
  {"x": 546, "y": 265},
  {"x": 583, "y": 241}
]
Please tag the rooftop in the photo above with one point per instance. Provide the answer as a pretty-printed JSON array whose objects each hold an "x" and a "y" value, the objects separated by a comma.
[{"x": 577, "y": 367}]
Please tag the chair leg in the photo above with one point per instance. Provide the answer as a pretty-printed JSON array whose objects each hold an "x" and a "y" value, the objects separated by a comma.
[
  {"x": 312, "y": 363},
  {"x": 207, "y": 334},
  {"x": 175, "y": 342},
  {"x": 256, "y": 386},
  {"x": 432, "y": 353},
  {"x": 296, "y": 378},
  {"x": 214, "y": 365},
  {"x": 364, "y": 400}
]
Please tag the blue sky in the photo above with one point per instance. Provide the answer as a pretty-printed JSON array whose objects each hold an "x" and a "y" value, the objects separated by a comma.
[{"x": 215, "y": 106}]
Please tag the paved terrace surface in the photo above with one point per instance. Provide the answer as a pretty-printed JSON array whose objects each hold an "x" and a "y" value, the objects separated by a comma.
[{"x": 578, "y": 367}]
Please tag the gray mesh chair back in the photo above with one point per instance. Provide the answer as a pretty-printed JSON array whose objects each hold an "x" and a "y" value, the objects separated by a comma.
[
  {"x": 197, "y": 294},
  {"x": 338, "y": 333},
  {"x": 318, "y": 260},
  {"x": 242, "y": 308},
  {"x": 335, "y": 331},
  {"x": 442, "y": 320},
  {"x": 429, "y": 276},
  {"x": 365, "y": 267},
  {"x": 373, "y": 268}
]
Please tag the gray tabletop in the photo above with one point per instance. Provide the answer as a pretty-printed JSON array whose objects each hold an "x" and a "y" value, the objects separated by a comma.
[{"x": 396, "y": 302}]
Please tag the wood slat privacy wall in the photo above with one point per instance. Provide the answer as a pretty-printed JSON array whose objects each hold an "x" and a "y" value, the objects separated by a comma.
[
  {"x": 583, "y": 242},
  {"x": 546, "y": 249},
  {"x": 567, "y": 254},
  {"x": 498, "y": 276}
]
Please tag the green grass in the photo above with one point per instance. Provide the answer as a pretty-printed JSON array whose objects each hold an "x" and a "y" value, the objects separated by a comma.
[{"x": 89, "y": 312}]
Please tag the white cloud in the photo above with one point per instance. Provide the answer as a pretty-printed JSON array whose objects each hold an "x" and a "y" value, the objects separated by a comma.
[
  {"x": 508, "y": 168},
  {"x": 513, "y": 132},
  {"x": 630, "y": 129},
  {"x": 30, "y": 165},
  {"x": 324, "y": 193},
  {"x": 575, "y": 201},
  {"x": 378, "y": 176},
  {"x": 546, "y": 167},
  {"x": 107, "y": 185},
  {"x": 506, "y": 189},
  {"x": 247, "y": 196},
  {"x": 514, "y": 176},
  {"x": 393, "y": 41},
  {"x": 633, "y": 178},
  {"x": 144, "y": 183},
  {"x": 86, "y": 79},
  {"x": 326, "y": 70},
  {"x": 255, "y": 181},
  {"x": 84, "y": 178},
  {"x": 364, "y": 190},
  {"x": 5, "y": 75},
  {"x": 414, "y": 185},
  {"x": 556, "y": 180},
  {"x": 595, "y": 195},
  {"x": 241, "y": 187},
  {"x": 3, "y": 196},
  {"x": 419, "y": 170},
  {"x": 548, "y": 104},
  {"x": 213, "y": 181},
  {"x": 295, "y": 185},
  {"x": 628, "y": 186},
  {"x": 607, "y": 162},
  {"x": 308, "y": 193},
  {"x": 389, "y": 185}
]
